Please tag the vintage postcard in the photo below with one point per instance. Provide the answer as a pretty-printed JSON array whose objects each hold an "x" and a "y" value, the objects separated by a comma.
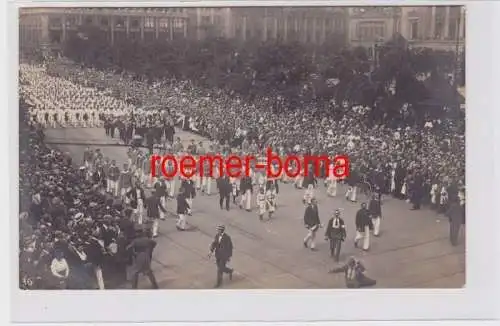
[{"x": 242, "y": 147}]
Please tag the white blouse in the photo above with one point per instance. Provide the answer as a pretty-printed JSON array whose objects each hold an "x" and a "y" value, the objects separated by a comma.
[{"x": 59, "y": 268}]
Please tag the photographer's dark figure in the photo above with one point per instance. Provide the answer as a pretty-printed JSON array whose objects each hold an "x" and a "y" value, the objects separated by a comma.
[
  {"x": 222, "y": 248},
  {"x": 354, "y": 274}
]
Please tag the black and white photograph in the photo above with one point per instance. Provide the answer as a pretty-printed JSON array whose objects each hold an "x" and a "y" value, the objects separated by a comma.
[{"x": 105, "y": 90}]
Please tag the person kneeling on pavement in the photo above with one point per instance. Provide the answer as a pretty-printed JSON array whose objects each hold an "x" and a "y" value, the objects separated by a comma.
[{"x": 354, "y": 274}]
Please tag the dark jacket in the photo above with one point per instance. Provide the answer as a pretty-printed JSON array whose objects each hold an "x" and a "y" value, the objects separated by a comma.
[
  {"x": 182, "y": 204},
  {"x": 311, "y": 216},
  {"x": 154, "y": 206},
  {"x": 456, "y": 213},
  {"x": 132, "y": 195},
  {"x": 246, "y": 184},
  {"x": 223, "y": 249},
  {"x": 161, "y": 188},
  {"x": 189, "y": 189},
  {"x": 99, "y": 178},
  {"x": 142, "y": 249},
  {"x": 374, "y": 208},
  {"x": 352, "y": 179},
  {"x": 336, "y": 233},
  {"x": 225, "y": 187},
  {"x": 363, "y": 219}
]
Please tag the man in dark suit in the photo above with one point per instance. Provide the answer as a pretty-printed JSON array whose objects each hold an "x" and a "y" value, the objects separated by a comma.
[
  {"x": 99, "y": 178},
  {"x": 417, "y": 192},
  {"x": 375, "y": 211},
  {"x": 183, "y": 209},
  {"x": 222, "y": 247},
  {"x": 335, "y": 234},
  {"x": 225, "y": 188},
  {"x": 153, "y": 206},
  {"x": 312, "y": 223},
  {"x": 363, "y": 227},
  {"x": 456, "y": 215},
  {"x": 137, "y": 198},
  {"x": 142, "y": 250}
]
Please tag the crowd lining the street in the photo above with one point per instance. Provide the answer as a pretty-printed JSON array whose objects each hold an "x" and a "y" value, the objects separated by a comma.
[{"x": 72, "y": 232}]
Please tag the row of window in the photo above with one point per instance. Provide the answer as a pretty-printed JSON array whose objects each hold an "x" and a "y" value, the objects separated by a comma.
[
  {"x": 120, "y": 22},
  {"x": 453, "y": 30},
  {"x": 316, "y": 33},
  {"x": 371, "y": 30}
]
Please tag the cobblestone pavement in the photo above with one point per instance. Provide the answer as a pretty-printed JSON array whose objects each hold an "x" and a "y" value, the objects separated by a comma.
[{"x": 413, "y": 250}]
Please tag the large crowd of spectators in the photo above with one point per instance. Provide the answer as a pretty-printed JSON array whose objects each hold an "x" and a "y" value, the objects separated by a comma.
[{"x": 71, "y": 232}]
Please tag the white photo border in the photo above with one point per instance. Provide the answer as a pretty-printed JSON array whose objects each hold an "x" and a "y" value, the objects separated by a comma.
[{"x": 475, "y": 301}]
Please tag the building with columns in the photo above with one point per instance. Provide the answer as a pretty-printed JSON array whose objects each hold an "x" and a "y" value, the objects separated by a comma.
[
  {"x": 439, "y": 27},
  {"x": 370, "y": 25},
  {"x": 51, "y": 26},
  {"x": 312, "y": 25}
]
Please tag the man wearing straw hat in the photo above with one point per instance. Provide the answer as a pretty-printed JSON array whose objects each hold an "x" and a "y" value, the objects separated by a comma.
[{"x": 222, "y": 248}]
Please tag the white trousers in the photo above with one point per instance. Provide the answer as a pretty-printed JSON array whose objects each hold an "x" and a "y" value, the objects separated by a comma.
[
  {"x": 208, "y": 188},
  {"x": 123, "y": 191},
  {"x": 140, "y": 211},
  {"x": 299, "y": 181},
  {"x": 376, "y": 225},
  {"x": 246, "y": 200},
  {"x": 163, "y": 202},
  {"x": 113, "y": 187},
  {"x": 365, "y": 236},
  {"x": 311, "y": 238},
  {"x": 171, "y": 191},
  {"x": 156, "y": 224},
  {"x": 189, "y": 200},
  {"x": 351, "y": 193},
  {"x": 332, "y": 188},
  {"x": 197, "y": 181},
  {"x": 99, "y": 278},
  {"x": 262, "y": 208},
  {"x": 182, "y": 221}
]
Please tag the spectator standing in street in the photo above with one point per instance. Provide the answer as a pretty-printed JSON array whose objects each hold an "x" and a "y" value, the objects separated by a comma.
[{"x": 222, "y": 249}]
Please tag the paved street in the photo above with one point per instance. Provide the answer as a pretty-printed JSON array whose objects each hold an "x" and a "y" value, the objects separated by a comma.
[{"x": 413, "y": 250}]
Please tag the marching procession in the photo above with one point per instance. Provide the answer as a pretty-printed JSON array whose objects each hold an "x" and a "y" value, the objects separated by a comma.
[{"x": 104, "y": 215}]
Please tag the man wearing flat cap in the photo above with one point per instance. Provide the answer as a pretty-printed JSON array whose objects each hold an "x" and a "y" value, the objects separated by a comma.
[{"x": 222, "y": 247}]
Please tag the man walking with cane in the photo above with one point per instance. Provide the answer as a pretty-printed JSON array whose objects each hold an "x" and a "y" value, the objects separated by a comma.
[{"x": 222, "y": 247}]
